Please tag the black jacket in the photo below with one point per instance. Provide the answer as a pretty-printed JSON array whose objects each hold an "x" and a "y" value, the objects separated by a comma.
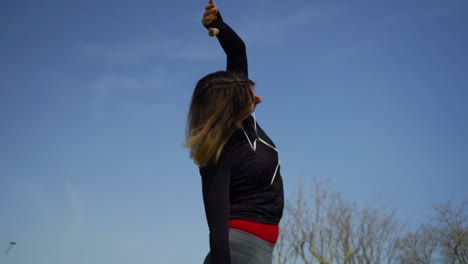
[{"x": 245, "y": 183}]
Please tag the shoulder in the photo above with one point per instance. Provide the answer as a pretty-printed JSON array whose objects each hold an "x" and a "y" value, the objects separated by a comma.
[{"x": 231, "y": 155}]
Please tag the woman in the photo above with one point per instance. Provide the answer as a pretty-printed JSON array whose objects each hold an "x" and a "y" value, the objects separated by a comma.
[{"x": 239, "y": 164}]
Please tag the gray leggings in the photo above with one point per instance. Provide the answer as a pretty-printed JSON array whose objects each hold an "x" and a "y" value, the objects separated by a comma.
[{"x": 247, "y": 249}]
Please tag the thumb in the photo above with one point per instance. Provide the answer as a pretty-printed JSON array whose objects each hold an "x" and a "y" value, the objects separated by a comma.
[{"x": 213, "y": 32}]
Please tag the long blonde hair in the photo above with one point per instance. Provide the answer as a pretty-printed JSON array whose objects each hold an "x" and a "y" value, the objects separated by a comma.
[{"x": 219, "y": 102}]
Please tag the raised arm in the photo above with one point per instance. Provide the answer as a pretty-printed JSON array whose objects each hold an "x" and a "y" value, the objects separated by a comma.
[{"x": 232, "y": 44}]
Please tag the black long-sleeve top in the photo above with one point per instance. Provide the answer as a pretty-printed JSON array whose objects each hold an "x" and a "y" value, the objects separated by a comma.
[{"x": 245, "y": 183}]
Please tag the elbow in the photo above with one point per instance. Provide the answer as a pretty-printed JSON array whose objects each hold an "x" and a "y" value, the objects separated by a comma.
[{"x": 242, "y": 48}]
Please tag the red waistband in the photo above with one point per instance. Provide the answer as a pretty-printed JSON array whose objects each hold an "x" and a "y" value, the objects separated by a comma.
[{"x": 266, "y": 232}]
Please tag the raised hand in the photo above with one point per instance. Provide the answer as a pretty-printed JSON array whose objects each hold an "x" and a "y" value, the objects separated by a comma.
[{"x": 209, "y": 16}]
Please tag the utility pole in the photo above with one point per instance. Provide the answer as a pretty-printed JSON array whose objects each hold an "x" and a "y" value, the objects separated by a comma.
[{"x": 12, "y": 243}]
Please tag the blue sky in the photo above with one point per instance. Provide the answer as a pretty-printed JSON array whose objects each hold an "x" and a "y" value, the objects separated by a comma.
[{"x": 370, "y": 95}]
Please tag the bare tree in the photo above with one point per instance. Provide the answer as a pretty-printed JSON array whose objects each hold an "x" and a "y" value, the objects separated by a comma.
[
  {"x": 284, "y": 251},
  {"x": 419, "y": 247},
  {"x": 443, "y": 240},
  {"x": 324, "y": 228},
  {"x": 452, "y": 224},
  {"x": 378, "y": 234}
]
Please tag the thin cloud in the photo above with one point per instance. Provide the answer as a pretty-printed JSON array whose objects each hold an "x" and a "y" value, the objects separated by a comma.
[
  {"x": 421, "y": 14},
  {"x": 136, "y": 50},
  {"x": 11, "y": 228},
  {"x": 148, "y": 49},
  {"x": 262, "y": 26},
  {"x": 77, "y": 214},
  {"x": 124, "y": 89},
  {"x": 275, "y": 25}
]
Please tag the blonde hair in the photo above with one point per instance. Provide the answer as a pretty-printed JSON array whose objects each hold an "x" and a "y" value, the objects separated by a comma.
[{"x": 219, "y": 102}]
